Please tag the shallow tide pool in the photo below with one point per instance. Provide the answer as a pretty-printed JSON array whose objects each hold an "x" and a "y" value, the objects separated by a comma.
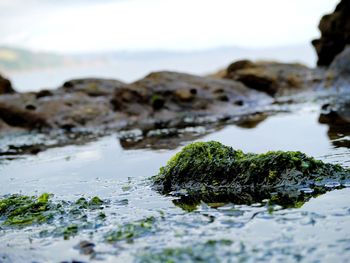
[{"x": 319, "y": 231}]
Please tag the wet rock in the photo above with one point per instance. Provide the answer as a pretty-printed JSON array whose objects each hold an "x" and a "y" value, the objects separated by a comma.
[
  {"x": 335, "y": 34},
  {"x": 86, "y": 247},
  {"x": 43, "y": 93},
  {"x": 56, "y": 109},
  {"x": 171, "y": 92},
  {"x": 18, "y": 117},
  {"x": 336, "y": 113},
  {"x": 92, "y": 86},
  {"x": 212, "y": 172},
  {"x": 271, "y": 77},
  {"x": 5, "y": 86},
  {"x": 161, "y": 100},
  {"x": 185, "y": 94},
  {"x": 337, "y": 116},
  {"x": 341, "y": 63}
]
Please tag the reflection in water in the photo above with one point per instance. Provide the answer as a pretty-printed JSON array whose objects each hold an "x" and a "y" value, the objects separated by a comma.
[
  {"x": 252, "y": 121},
  {"x": 337, "y": 116},
  {"x": 172, "y": 138},
  {"x": 106, "y": 169}
]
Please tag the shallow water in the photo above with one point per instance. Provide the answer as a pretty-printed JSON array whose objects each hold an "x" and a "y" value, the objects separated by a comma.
[{"x": 319, "y": 231}]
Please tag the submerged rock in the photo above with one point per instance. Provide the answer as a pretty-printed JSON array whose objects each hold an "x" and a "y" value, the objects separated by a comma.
[
  {"x": 212, "y": 172},
  {"x": 335, "y": 34}
]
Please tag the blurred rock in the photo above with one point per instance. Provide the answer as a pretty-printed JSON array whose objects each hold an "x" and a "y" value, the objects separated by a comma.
[
  {"x": 336, "y": 113},
  {"x": 81, "y": 103},
  {"x": 18, "y": 117},
  {"x": 92, "y": 86},
  {"x": 166, "y": 94},
  {"x": 341, "y": 63},
  {"x": 5, "y": 86},
  {"x": 335, "y": 34},
  {"x": 273, "y": 78}
]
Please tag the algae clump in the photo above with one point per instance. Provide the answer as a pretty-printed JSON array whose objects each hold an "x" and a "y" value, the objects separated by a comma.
[
  {"x": 128, "y": 232},
  {"x": 68, "y": 218},
  {"x": 212, "y": 172},
  {"x": 19, "y": 210}
]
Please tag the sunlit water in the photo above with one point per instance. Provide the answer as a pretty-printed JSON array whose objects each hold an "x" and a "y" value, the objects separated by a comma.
[{"x": 317, "y": 232}]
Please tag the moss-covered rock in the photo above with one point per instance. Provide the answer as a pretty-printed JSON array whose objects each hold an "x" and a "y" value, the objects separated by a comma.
[{"x": 212, "y": 172}]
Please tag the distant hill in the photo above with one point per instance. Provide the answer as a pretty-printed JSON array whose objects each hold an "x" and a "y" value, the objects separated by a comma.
[
  {"x": 14, "y": 59},
  {"x": 21, "y": 59},
  {"x": 30, "y": 71}
]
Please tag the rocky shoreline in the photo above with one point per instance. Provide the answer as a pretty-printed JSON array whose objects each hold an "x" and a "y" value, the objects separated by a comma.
[{"x": 88, "y": 108}]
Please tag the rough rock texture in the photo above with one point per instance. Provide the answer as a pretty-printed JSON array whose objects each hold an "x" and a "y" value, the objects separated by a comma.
[
  {"x": 210, "y": 171},
  {"x": 83, "y": 109},
  {"x": 78, "y": 103},
  {"x": 162, "y": 99},
  {"x": 271, "y": 77},
  {"x": 335, "y": 34},
  {"x": 5, "y": 86},
  {"x": 166, "y": 94},
  {"x": 93, "y": 87}
]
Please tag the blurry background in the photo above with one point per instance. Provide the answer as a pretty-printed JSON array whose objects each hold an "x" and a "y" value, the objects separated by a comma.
[{"x": 43, "y": 43}]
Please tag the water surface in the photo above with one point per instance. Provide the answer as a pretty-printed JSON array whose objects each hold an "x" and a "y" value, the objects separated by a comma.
[{"x": 319, "y": 231}]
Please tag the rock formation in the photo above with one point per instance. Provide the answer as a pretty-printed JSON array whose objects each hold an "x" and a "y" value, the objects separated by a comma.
[
  {"x": 335, "y": 34},
  {"x": 5, "y": 86},
  {"x": 212, "y": 172}
]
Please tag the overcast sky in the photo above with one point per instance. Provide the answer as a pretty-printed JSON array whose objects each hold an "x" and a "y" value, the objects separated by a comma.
[{"x": 91, "y": 25}]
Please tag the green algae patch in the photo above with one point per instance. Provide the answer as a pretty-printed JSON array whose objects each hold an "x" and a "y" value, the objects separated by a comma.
[
  {"x": 130, "y": 231},
  {"x": 209, "y": 251},
  {"x": 93, "y": 203},
  {"x": 19, "y": 210},
  {"x": 212, "y": 172},
  {"x": 66, "y": 218}
]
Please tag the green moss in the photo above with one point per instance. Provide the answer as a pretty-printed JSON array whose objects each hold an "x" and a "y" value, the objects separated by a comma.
[
  {"x": 212, "y": 172},
  {"x": 188, "y": 205},
  {"x": 130, "y": 231},
  {"x": 93, "y": 203},
  {"x": 199, "y": 161},
  {"x": 67, "y": 217},
  {"x": 18, "y": 210},
  {"x": 157, "y": 101},
  {"x": 70, "y": 231}
]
